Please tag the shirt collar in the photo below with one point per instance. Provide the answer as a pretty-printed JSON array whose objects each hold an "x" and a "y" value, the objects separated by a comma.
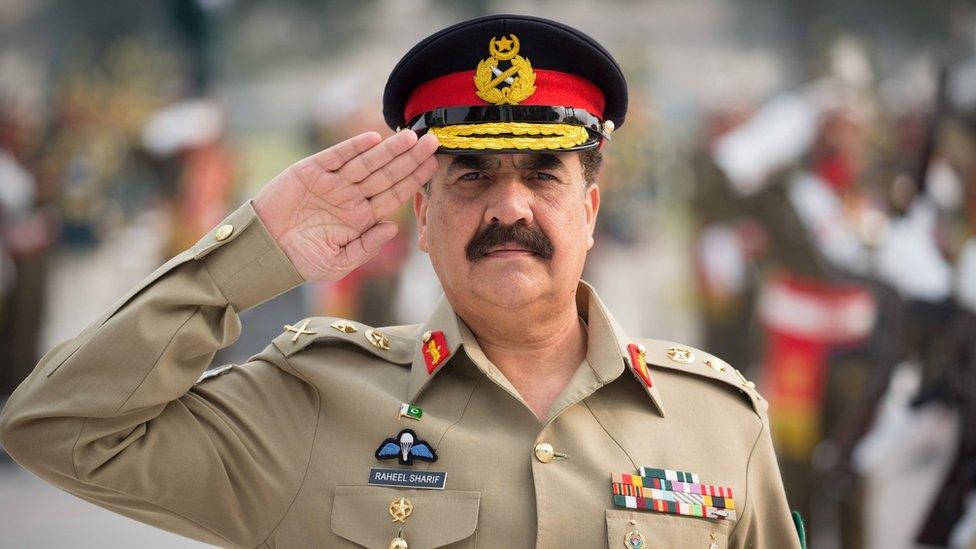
[
  {"x": 607, "y": 343},
  {"x": 444, "y": 320},
  {"x": 606, "y": 350}
]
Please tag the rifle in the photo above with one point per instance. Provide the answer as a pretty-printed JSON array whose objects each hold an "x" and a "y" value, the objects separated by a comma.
[
  {"x": 949, "y": 504},
  {"x": 957, "y": 389}
]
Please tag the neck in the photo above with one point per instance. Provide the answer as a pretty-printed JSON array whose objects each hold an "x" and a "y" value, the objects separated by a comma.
[{"x": 538, "y": 349}]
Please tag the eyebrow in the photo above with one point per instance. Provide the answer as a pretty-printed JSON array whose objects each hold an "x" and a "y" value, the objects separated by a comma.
[
  {"x": 541, "y": 161},
  {"x": 472, "y": 162},
  {"x": 536, "y": 161}
]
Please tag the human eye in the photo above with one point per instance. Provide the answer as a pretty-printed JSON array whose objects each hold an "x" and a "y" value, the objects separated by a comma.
[
  {"x": 543, "y": 176},
  {"x": 471, "y": 176}
]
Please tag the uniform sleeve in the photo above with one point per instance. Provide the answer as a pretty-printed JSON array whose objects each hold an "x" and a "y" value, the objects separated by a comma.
[
  {"x": 114, "y": 415},
  {"x": 766, "y": 521}
]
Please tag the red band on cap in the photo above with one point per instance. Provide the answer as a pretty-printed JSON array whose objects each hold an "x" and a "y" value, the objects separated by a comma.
[{"x": 552, "y": 88}]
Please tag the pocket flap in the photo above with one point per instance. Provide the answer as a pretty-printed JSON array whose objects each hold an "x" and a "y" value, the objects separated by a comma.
[
  {"x": 664, "y": 531},
  {"x": 361, "y": 514}
]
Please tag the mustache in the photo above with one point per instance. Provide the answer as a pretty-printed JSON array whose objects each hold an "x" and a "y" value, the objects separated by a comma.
[{"x": 496, "y": 234}]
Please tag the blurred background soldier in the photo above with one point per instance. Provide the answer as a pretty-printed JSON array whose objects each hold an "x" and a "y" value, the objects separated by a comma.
[
  {"x": 728, "y": 241},
  {"x": 951, "y": 517},
  {"x": 762, "y": 204},
  {"x": 27, "y": 228},
  {"x": 799, "y": 172},
  {"x": 938, "y": 437}
]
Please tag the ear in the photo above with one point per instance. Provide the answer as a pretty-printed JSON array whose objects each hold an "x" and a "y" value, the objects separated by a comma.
[
  {"x": 420, "y": 203},
  {"x": 591, "y": 203}
]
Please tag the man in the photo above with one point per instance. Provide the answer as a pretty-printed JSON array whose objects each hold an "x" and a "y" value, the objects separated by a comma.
[{"x": 518, "y": 415}]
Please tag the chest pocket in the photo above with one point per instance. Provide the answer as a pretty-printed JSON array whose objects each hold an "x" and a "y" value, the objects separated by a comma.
[
  {"x": 438, "y": 518},
  {"x": 665, "y": 531}
]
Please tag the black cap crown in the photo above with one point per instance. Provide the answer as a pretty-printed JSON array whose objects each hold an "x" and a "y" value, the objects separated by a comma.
[{"x": 508, "y": 83}]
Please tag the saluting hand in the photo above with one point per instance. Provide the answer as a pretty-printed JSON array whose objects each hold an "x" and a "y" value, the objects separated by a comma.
[{"x": 326, "y": 211}]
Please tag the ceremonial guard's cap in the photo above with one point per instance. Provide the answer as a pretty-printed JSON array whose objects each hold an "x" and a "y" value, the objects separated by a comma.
[{"x": 508, "y": 83}]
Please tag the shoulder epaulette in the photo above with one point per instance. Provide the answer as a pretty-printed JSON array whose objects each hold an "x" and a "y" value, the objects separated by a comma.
[
  {"x": 675, "y": 356},
  {"x": 386, "y": 343}
]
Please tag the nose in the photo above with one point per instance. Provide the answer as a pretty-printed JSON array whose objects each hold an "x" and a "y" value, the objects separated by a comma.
[{"x": 509, "y": 202}]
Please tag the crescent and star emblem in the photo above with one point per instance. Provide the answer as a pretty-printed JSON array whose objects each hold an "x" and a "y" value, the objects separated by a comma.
[{"x": 517, "y": 81}]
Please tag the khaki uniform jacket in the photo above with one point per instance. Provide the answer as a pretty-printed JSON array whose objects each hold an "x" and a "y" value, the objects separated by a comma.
[{"x": 276, "y": 452}]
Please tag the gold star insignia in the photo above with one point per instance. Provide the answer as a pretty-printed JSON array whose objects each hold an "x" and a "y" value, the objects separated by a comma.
[
  {"x": 400, "y": 509},
  {"x": 504, "y": 44}
]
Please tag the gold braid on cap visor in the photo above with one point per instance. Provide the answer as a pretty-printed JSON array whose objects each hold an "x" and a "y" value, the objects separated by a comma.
[{"x": 510, "y": 135}]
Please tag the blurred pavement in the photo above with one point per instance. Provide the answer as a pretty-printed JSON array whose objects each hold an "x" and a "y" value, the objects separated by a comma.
[{"x": 29, "y": 505}]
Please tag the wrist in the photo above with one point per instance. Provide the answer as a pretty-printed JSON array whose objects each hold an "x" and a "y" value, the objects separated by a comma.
[{"x": 263, "y": 210}]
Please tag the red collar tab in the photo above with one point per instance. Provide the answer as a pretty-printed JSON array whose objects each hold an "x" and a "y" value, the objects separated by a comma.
[
  {"x": 435, "y": 350},
  {"x": 638, "y": 363}
]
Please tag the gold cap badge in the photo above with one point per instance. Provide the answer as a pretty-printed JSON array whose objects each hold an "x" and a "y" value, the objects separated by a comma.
[{"x": 517, "y": 81}]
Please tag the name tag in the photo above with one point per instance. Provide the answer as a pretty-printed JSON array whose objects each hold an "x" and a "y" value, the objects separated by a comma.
[{"x": 427, "y": 480}]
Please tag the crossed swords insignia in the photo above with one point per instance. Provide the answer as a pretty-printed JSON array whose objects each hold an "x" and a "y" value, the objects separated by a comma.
[{"x": 299, "y": 331}]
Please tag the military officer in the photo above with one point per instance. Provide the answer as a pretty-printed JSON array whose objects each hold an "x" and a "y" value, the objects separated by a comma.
[{"x": 520, "y": 414}]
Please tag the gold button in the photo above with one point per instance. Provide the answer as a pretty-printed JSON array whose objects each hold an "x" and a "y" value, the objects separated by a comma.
[
  {"x": 223, "y": 232},
  {"x": 743, "y": 381},
  {"x": 544, "y": 452}
]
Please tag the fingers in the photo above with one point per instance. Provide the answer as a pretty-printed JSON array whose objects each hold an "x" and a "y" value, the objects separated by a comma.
[
  {"x": 336, "y": 156},
  {"x": 400, "y": 167},
  {"x": 362, "y": 249},
  {"x": 392, "y": 198},
  {"x": 359, "y": 168}
]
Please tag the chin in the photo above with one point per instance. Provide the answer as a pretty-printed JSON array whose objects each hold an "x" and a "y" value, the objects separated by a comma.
[{"x": 510, "y": 288}]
